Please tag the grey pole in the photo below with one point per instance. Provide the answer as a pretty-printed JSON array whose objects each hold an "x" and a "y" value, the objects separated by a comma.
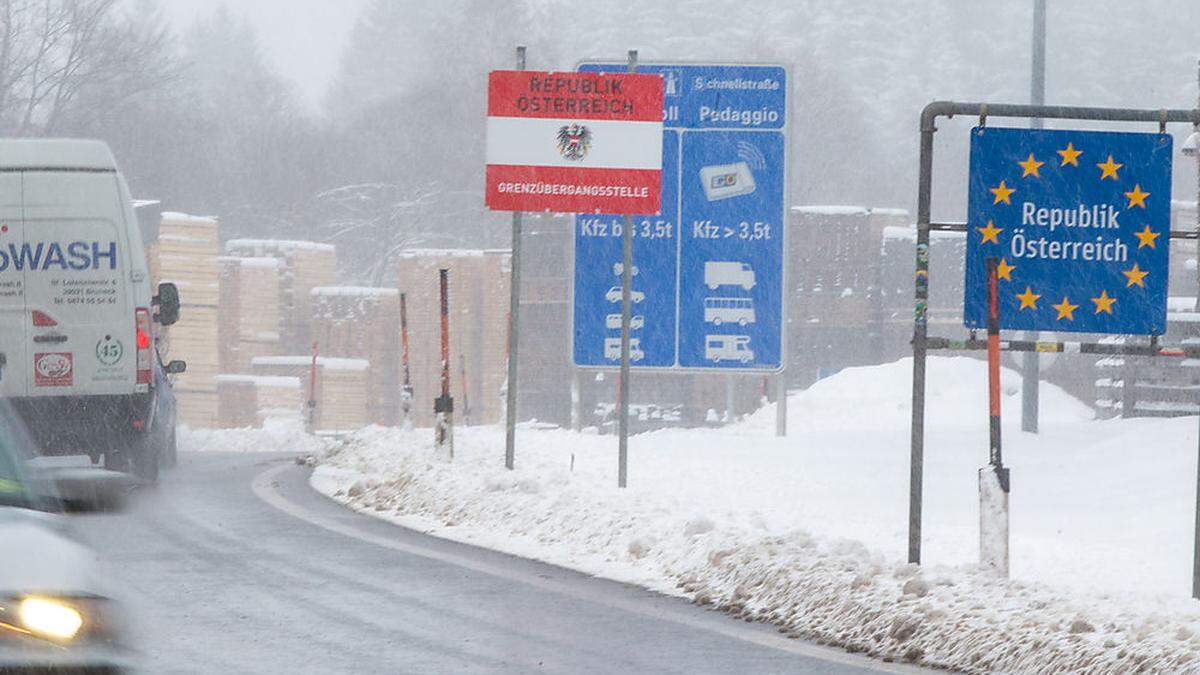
[
  {"x": 781, "y": 404},
  {"x": 514, "y": 322},
  {"x": 1196, "y": 535},
  {"x": 1030, "y": 365},
  {"x": 916, "y": 466},
  {"x": 729, "y": 398},
  {"x": 576, "y": 400},
  {"x": 626, "y": 281}
]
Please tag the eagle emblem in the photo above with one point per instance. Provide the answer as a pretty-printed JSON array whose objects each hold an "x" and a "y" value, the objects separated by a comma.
[{"x": 574, "y": 141}]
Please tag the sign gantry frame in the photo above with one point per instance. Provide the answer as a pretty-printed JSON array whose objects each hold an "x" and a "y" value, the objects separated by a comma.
[{"x": 922, "y": 342}]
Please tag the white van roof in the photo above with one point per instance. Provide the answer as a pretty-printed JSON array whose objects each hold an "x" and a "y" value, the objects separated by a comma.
[{"x": 55, "y": 153}]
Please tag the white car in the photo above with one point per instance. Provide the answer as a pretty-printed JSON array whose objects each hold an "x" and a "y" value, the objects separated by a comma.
[
  {"x": 613, "y": 322},
  {"x": 54, "y": 614},
  {"x": 614, "y": 295},
  {"x": 619, "y": 268},
  {"x": 80, "y": 317}
]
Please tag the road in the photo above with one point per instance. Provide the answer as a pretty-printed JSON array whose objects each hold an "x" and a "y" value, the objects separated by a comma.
[{"x": 234, "y": 564}]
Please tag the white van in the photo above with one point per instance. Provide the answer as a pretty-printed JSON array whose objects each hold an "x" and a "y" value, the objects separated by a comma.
[
  {"x": 77, "y": 314},
  {"x": 718, "y": 348},
  {"x": 612, "y": 349}
]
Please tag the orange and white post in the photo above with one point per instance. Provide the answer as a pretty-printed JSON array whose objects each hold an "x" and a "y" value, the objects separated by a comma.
[{"x": 994, "y": 478}]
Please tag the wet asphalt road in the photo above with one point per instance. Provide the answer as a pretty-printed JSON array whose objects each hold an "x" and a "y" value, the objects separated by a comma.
[{"x": 235, "y": 565}]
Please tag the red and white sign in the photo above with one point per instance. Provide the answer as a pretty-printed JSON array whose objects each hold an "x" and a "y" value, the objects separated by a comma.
[
  {"x": 54, "y": 369},
  {"x": 574, "y": 142}
]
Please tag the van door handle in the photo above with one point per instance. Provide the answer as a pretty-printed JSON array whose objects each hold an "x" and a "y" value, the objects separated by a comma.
[{"x": 40, "y": 339}]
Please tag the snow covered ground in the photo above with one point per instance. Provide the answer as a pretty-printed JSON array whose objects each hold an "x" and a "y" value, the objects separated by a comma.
[
  {"x": 809, "y": 531},
  {"x": 281, "y": 435}
]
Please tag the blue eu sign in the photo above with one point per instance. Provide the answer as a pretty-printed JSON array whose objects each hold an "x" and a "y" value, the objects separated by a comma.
[
  {"x": 1079, "y": 222},
  {"x": 707, "y": 270}
]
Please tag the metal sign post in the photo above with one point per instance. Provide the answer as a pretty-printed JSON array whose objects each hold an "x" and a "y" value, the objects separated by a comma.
[
  {"x": 781, "y": 405},
  {"x": 312, "y": 390},
  {"x": 406, "y": 390},
  {"x": 514, "y": 323},
  {"x": 466, "y": 400},
  {"x": 443, "y": 406},
  {"x": 626, "y": 283},
  {"x": 570, "y": 143},
  {"x": 994, "y": 478},
  {"x": 1192, "y": 147},
  {"x": 1139, "y": 290},
  {"x": 1030, "y": 365}
]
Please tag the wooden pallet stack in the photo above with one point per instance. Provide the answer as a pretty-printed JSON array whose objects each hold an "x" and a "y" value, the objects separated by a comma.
[
  {"x": 305, "y": 265},
  {"x": 478, "y": 330},
  {"x": 248, "y": 401},
  {"x": 341, "y": 388},
  {"x": 250, "y": 311},
  {"x": 186, "y": 255},
  {"x": 363, "y": 323}
]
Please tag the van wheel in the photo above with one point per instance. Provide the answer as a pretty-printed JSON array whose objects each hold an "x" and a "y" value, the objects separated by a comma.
[{"x": 147, "y": 449}]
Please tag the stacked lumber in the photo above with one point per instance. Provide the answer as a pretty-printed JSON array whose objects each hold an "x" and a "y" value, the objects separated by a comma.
[
  {"x": 341, "y": 388},
  {"x": 250, "y": 311},
  {"x": 363, "y": 323},
  {"x": 248, "y": 401},
  {"x": 478, "y": 330},
  {"x": 305, "y": 266},
  {"x": 237, "y": 406},
  {"x": 186, "y": 255}
]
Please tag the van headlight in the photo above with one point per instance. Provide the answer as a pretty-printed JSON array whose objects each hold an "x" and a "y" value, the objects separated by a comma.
[{"x": 49, "y": 618}]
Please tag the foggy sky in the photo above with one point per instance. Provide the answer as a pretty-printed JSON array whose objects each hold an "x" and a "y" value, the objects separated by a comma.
[{"x": 302, "y": 38}]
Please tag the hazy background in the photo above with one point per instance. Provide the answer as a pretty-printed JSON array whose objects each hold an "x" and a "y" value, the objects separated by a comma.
[
  {"x": 362, "y": 121},
  {"x": 302, "y": 38}
]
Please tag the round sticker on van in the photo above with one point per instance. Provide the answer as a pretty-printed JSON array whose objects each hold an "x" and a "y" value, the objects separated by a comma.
[
  {"x": 53, "y": 369},
  {"x": 109, "y": 350}
]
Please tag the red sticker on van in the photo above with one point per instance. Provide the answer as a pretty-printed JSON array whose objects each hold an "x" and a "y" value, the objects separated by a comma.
[{"x": 53, "y": 369}]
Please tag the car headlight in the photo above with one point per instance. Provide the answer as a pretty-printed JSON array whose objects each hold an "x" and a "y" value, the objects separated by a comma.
[{"x": 49, "y": 618}]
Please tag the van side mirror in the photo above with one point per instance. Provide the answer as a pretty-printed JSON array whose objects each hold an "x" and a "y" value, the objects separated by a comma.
[
  {"x": 175, "y": 367},
  {"x": 167, "y": 301}
]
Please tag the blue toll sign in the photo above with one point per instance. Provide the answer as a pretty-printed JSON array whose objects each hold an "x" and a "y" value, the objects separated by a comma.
[
  {"x": 1080, "y": 224},
  {"x": 597, "y": 305},
  {"x": 708, "y": 271}
]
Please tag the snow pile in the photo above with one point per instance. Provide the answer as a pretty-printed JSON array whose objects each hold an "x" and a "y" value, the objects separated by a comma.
[
  {"x": 880, "y": 398},
  {"x": 354, "y": 292},
  {"x": 264, "y": 247},
  {"x": 808, "y": 532},
  {"x": 281, "y": 434},
  {"x": 330, "y": 362}
]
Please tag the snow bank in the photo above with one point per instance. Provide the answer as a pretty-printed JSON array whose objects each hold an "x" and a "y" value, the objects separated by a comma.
[
  {"x": 831, "y": 210},
  {"x": 451, "y": 252},
  {"x": 354, "y": 292},
  {"x": 263, "y": 246},
  {"x": 898, "y": 233},
  {"x": 176, "y": 218},
  {"x": 880, "y": 398},
  {"x": 809, "y": 532},
  {"x": 332, "y": 363},
  {"x": 282, "y": 435},
  {"x": 267, "y": 263},
  {"x": 269, "y": 381}
]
